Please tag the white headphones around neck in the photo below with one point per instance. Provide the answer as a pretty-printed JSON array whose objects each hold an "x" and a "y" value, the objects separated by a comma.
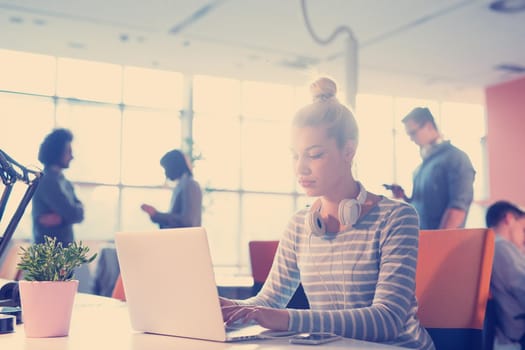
[{"x": 348, "y": 212}]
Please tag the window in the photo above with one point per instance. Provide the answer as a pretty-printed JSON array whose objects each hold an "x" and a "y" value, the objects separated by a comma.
[
  {"x": 374, "y": 163},
  {"x": 464, "y": 125},
  {"x": 86, "y": 80},
  {"x": 146, "y": 136},
  {"x": 266, "y": 158},
  {"x": 96, "y": 143},
  {"x": 25, "y": 120},
  {"x": 216, "y": 96},
  {"x": 221, "y": 218},
  {"x": 218, "y": 140},
  {"x": 240, "y": 130},
  {"x": 152, "y": 88},
  {"x": 132, "y": 218},
  {"x": 267, "y": 101},
  {"x": 27, "y": 72},
  {"x": 100, "y": 212}
]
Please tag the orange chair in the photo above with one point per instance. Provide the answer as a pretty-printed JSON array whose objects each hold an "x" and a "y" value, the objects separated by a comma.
[
  {"x": 452, "y": 285},
  {"x": 118, "y": 290},
  {"x": 261, "y": 259}
]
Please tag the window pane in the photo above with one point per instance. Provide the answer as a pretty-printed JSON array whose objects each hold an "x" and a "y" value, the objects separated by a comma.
[
  {"x": 132, "y": 217},
  {"x": 266, "y": 157},
  {"x": 89, "y": 80},
  {"x": 268, "y": 101},
  {"x": 27, "y": 72},
  {"x": 152, "y": 88},
  {"x": 216, "y": 95},
  {"x": 221, "y": 218},
  {"x": 146, "y": 136},
  {"x": 265, "y": 217},
  {"x": 25, "y": 121},
  {"x": 476, "y": 216},
  {"x": 218, "y": 140},
  {"x": 375, "y": 154},
  {"x": 464, "y": 125},
  {"x": 100, "y": 212},
  {"x": 96, "y": 143},
  {"x": 302, "y": 98},
  {"x": 25, "y": 225}
]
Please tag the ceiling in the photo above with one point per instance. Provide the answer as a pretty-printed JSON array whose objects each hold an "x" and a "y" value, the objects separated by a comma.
[{"x": 446, "y": 49}]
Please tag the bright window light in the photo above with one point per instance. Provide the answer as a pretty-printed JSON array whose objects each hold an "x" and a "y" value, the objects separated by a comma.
[
  {"x": 89, "y": 80},
  {"x": 27, "y": 72},
  {"x": 152, "y": 88}
]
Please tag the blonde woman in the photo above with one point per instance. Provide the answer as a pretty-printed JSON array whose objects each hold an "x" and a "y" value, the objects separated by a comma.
[{"x": 354, "y": 252}]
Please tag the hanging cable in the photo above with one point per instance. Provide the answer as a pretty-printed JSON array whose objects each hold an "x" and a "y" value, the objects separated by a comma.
[
  {"x": 351, "y": 54},
  {"x": 319, "y": 40}
]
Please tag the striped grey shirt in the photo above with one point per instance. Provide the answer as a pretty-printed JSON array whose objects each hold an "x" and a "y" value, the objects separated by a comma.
[{"x": 360, "y": 283}]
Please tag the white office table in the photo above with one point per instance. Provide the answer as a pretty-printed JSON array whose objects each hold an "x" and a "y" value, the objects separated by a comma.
[{"x": 100, "y": 323}]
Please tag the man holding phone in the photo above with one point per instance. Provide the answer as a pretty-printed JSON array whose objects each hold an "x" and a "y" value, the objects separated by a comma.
[{"x": 443, "y": 182}]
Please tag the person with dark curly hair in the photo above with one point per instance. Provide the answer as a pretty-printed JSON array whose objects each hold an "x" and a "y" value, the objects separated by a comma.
[{"x": 55, "y": 205}]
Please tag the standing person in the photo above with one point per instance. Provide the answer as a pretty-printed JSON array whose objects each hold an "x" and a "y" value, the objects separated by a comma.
[
  {"x": 354, "y": 252},
  {"x": 443, "y": 183},
  {"x": 55, "y": 206},
  {"x": 507, "y": 283},
  {"x": 186, "y": 200}
]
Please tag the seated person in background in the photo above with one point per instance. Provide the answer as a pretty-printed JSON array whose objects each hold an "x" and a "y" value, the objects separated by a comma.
[
  {"x": 186, "y": 200},
  {"x": 507, "y": 284},
  {"x": 354, "y": 252}
]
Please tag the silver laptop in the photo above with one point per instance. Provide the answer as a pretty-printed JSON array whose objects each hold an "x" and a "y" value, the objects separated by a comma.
[{"x": 170, "y": 285}]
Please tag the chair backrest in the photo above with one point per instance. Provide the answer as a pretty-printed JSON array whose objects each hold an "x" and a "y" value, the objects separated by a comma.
[
  {"x": 261, "y": 258},
  {"x": 452, "y": 283},
  {"x": 118, "y": 290},
  {"x": 262, "y": 254}
]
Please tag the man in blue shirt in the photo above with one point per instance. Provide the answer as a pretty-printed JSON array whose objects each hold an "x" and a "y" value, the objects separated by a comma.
[{"x": 443, "y": 182}]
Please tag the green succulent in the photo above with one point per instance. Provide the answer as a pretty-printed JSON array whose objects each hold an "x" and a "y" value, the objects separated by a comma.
[{"x": 50, "y": 261}]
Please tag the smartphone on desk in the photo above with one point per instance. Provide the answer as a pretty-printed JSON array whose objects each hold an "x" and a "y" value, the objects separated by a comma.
[{"x": 314, "y": 338}]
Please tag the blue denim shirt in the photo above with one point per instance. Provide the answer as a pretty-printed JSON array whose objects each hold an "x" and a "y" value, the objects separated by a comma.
[{"x": 443, "y": 180}]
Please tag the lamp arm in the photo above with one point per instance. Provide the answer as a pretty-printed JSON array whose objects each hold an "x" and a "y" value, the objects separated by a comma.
[{"x": 11, "y": 171}]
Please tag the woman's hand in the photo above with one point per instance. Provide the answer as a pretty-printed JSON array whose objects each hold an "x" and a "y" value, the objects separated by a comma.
[
  {"x": 50, "y": 220},
  {"x": 149, "y": 209},
  {"x": 226, "y": 302},
  {"x": 275, "y": 319}
]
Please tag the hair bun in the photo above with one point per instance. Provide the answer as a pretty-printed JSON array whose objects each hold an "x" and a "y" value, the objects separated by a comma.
[{"x": 323, "y": 89}]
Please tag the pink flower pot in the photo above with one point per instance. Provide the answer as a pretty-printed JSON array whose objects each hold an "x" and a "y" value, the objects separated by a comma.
[{"x": 47, "y": 307}]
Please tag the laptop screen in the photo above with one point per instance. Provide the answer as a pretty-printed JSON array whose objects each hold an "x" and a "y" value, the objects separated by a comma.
[{"x": 169, "y": 282}]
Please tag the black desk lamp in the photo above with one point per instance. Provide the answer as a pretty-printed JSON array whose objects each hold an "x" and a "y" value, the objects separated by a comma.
[{"x": 11, "y": 172}]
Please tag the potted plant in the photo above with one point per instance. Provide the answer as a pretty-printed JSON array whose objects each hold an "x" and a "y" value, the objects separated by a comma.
[{"x": 48, "y": 290}]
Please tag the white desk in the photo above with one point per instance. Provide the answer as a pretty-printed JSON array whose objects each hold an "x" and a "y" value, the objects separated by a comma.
[{"x": 100, "y": 323}]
